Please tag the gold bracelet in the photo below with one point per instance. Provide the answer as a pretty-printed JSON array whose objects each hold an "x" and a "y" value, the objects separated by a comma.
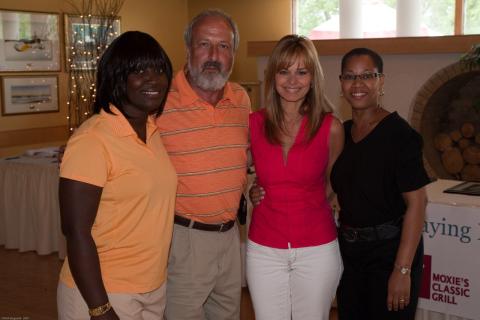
[{"x": 101, "y": 310}]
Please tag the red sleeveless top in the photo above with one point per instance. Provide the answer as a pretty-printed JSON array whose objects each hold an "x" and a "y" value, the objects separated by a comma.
[{"x": 295, "y": 212}]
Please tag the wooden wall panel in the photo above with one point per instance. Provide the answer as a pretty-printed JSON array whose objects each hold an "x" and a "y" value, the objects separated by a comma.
[{"x": 33, "y": 136}]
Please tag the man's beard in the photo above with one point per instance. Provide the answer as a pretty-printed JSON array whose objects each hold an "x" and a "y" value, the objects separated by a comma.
[{"x": 208, "y": 81}]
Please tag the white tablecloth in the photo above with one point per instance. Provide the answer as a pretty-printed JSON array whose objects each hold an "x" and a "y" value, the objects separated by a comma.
[
  {"x": 452, "y": 249},
  {"x": 29, "y": 209}
]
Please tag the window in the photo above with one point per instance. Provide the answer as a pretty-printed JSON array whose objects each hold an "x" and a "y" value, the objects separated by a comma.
[
  {"x": 320, "y": 19},
  {"x": 472, "y": 17},
  {"x": 439, "y": 16},
  {"x": 312, "y": 13}
]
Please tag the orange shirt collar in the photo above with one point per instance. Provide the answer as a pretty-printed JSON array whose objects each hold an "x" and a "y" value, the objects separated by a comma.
[
  {"x": 189, "y": 96},
  {"x": 120, "y": 125}
]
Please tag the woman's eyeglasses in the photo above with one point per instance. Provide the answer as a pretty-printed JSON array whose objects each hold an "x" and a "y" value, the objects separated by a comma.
[{"x": 364, "y": 76}]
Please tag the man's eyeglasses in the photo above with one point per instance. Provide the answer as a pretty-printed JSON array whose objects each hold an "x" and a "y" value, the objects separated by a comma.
[{"x": 363, "y": 76}]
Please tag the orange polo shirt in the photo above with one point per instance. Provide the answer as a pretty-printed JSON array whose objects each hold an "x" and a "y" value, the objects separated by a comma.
[
  {"x": 207, "y": 145},
  {"x": 134, "y": 222}
]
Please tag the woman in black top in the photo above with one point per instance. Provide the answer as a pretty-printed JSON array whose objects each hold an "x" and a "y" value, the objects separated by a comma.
[{"x": 380, "y": 182}]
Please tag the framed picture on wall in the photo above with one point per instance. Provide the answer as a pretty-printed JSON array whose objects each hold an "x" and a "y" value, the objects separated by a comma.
[
  {"x": 86, "y": 37},
  {"x": 29, "y": 41},
  {"x": 469, "y": 188},
  {"x": 29, "y": 94}
]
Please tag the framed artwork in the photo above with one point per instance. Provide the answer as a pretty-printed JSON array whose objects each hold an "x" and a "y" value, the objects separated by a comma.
[
  {"x": 468, "y": 188},
  {"x": 29, "y": 41},
  {"x": 86, "y": 38},
  {"x": 29, "y": 94}
]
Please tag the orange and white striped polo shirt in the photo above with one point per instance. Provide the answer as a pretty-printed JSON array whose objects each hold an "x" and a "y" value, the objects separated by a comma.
[{"x": 208, "y": 148}]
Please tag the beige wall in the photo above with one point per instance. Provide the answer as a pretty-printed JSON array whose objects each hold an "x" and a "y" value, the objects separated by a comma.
[
  {"x": 163, "y": 19},
  {"x": 258, "y": 20}
]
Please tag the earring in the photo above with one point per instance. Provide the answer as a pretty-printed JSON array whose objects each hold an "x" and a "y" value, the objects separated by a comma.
[{"x": 382, "y": 93}]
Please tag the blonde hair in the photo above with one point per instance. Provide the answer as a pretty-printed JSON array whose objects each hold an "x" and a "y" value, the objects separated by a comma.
[{"x": 287, "y": 51}]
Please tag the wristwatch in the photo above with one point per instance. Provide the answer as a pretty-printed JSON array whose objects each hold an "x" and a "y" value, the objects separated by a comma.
[{"x": 403, "y": 269}]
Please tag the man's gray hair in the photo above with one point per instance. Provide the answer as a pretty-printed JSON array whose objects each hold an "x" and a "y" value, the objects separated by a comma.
[{"x": 187, "y": 35}]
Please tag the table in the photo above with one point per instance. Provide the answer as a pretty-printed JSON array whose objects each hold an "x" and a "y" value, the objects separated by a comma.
[
  {"x": 29, "y": 209},
  {"x": 451, "y": 287}
]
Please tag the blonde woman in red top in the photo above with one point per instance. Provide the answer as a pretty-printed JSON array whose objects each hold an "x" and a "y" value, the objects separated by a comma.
[{"x": 293, "y": 259}]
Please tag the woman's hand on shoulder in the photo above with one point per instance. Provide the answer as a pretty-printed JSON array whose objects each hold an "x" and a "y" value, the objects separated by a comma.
[
  {"x": 337, "y": 134},
  {"x": 335, "y": 144}
]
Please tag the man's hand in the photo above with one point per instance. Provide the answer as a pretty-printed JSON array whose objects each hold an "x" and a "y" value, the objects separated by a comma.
[{"x": 256, "y": 193}]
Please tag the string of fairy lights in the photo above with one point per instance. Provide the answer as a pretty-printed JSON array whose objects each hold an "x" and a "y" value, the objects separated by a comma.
[{"x": 88, "y": 37}]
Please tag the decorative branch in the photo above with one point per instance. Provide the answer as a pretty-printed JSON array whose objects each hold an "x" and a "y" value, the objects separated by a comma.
[
  {"x": 472, "y": 57},
  {"x": 472, "y": 60},
  {"x": 96, "y": 32}
]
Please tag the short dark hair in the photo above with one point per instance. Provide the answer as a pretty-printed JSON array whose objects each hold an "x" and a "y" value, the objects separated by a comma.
[
  {"x": 376, "y": 58},
  {"x": 130, "y": 52}
]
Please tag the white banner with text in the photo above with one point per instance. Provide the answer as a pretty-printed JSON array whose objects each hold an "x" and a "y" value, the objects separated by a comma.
[{"x": 451, "y": 275}]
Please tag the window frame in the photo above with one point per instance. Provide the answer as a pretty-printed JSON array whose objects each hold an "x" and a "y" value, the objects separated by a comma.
[
  {"x": 398, "y": 45},
  {"x": 457, "y": 43},
  {"x": 458, "y": 19}
]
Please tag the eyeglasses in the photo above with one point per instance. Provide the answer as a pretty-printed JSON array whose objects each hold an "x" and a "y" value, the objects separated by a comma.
[{"x": 363, "y": 76}]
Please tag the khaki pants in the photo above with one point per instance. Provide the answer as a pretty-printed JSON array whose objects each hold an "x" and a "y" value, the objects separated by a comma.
[
  {"x": 128, "y": 306},
  {"x": 204, "y": 275}
]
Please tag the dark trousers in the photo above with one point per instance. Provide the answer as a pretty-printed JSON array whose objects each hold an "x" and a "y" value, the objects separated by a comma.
[{"x": 362, "y": 292}]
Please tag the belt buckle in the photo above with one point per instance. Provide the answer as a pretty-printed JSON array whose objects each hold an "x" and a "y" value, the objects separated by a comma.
[
  {"x": 221, "y": 227},
  {"x": 350, "y": 235}
]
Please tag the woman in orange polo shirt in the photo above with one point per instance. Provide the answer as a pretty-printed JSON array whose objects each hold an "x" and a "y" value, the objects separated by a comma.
[{"x": 117, "y": 191}]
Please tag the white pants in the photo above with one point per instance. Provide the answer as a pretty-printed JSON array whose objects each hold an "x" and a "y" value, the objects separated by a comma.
[{"x": 296, "y": 284}]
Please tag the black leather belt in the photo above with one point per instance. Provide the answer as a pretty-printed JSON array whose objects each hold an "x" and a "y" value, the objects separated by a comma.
[
  {"x": 222, "y": 227},
  {"x": 385, "y": 231}
]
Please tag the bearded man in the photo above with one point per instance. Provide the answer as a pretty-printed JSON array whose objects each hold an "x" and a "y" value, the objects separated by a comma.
[{"x": 204, "y": 128}]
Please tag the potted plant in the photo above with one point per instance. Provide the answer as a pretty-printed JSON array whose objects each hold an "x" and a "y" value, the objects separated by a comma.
[
  {"x": 472, "y": 57},
  {"x": 472, "y": 60}
]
